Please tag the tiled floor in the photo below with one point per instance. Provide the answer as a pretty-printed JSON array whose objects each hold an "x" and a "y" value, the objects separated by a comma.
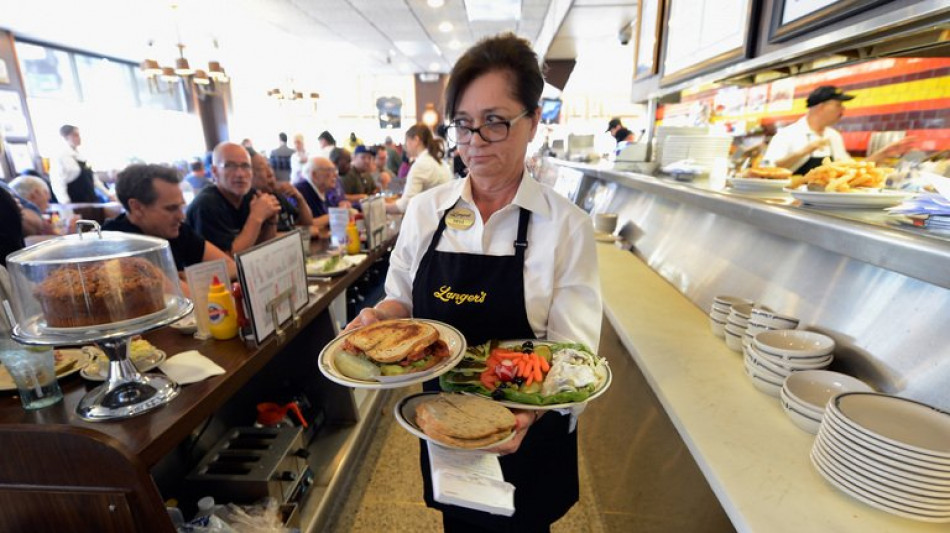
[{"x": 386, "y": 494}]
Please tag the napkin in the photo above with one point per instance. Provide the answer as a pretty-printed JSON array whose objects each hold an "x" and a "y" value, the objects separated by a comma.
[{"x": 190, "y": 367}]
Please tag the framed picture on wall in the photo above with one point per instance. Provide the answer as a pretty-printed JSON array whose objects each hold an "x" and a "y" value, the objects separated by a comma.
[
  {"x": 703, "y": 35},
  {"x": 649, "y": 18},
  {"x": 791, "y": 18}
]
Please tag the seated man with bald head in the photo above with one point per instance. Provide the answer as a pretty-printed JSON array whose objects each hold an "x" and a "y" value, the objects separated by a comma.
[
  {"x": 232, "y": 214},
  {"x": 153, "y": 204}
]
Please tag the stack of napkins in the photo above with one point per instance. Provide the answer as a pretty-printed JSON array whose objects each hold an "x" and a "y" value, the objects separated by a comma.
[
  {"x": 928, "y": 210},
  {"x": 190, "y": 367},
  {"x": 470, "y": 479}
]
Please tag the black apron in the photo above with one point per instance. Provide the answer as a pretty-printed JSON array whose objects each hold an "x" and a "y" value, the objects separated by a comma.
[
  {"x": 544, "y": 470},
  {"x": 813, "y": 162},
  {"x": 82, "y": 190}
]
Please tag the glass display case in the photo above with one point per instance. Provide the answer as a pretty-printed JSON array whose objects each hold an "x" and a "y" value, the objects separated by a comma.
[{"x": 100, "y": 287}]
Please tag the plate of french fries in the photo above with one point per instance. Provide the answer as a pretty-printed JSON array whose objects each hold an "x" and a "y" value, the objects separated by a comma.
[{"x": 845, "y": 184}]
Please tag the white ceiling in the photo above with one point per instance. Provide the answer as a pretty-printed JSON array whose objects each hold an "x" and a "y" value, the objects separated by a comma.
[{"x": 311, "y": 40}]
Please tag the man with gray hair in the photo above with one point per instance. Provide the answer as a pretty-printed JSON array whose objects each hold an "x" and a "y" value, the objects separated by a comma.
[
  {"x": 153, "y": 204},
  {"x": 34, "y": 190}
]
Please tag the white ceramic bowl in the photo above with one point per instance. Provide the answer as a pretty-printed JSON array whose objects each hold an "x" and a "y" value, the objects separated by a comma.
[
  {"x": 721, "y": 316},
  {"x": 728, "y": 301},
  {"x": 802, "y": 420},
  {"x": 814, "y": 388},
  {"x": 744, "y": 310},
  {"x": 733, "y": 340},
  {"x": 805, "y": 409},
  {"x": 794, "y": 343},
  {"x": 778, "y": 322},
  {"x": 774, "y": 373},
  {"x": 737, "y": 321},
  {"x": 816, "y": 363},
  {"x": 717, "y": 327},
  {"x": 605, "y": 222},
  {"x": 763, "y": 384},
  {"x": 757, "y": 328}
]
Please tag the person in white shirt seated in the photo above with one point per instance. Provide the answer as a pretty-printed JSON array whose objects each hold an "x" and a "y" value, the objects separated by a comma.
[{"x": 427, "y": 171}]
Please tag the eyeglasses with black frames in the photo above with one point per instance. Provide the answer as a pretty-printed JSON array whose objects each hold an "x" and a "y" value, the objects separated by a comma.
[
  {"x": 494, "y": 130},
  {"x": 230, "y": 165}
]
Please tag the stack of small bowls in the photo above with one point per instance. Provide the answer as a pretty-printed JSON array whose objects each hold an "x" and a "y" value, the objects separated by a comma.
[
  {"x": 719, "y": 313},
  {"x": 736, "y": 324},
  {"x": 805, "y": 395},
  {"x": 775, "y": 355},
  {"x": 764, "y": 319}
]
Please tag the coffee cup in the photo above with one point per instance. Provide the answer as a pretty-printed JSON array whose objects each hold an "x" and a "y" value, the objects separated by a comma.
[{"x": 605, "y": 222}]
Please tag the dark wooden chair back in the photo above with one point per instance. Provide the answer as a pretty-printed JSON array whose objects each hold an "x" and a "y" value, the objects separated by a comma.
[{"x": 61, "y": 478}]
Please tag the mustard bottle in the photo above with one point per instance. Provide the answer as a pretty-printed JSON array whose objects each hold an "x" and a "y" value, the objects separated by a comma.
[
  {"x": 221, "y": 311},
  {"x": 352, "y": 238}
]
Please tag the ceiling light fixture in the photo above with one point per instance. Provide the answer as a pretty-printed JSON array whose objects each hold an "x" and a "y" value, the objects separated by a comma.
[
  {"x": 435, "y": 4},
  {"x": 445, "y": 26},
  {"x": 163, "y": 79}
]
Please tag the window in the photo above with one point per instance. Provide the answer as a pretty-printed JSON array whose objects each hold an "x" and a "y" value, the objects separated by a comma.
[
  {"x": 47, "y": 72},
  {"x": 106, "y": 81}
]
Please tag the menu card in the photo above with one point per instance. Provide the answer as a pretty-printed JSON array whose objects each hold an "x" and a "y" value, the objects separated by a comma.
[
  {"x": 198, "y": 277},
  {"x": 470, "y": 479},
  {"x": 374, "y": 211},
  {"x": 267, "y": 271}
]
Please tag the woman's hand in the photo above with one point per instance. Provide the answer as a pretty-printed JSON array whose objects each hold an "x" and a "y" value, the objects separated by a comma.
[
  {"x": 523, "y": 420},
  {"x": 384, "y": 310},
  {"x": 366, "y": 317}
]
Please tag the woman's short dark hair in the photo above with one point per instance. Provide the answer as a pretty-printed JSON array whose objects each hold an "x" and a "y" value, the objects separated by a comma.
[
  {"x": 66, "y": 130},
  {"x": 136, "y": 182},
  {"x": 424, "y": 134},
  {"x": 507, "y": 53}
]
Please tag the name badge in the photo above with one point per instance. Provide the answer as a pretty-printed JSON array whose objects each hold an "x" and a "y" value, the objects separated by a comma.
[{"x": 460, "y": 218}]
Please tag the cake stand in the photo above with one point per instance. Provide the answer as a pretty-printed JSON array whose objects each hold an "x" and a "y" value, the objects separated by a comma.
[{"x": 126, "y": 392}]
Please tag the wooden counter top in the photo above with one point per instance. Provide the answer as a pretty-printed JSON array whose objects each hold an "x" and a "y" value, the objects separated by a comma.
[{"x": 153, "y": 435}]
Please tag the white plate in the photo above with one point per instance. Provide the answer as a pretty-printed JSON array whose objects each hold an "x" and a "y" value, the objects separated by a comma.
[
  {"x": 916, "y": 427},
  {"x": 883, "y": 496},
  {"x": 864, "y": 496},
  {"x": 879, "y": 448},
  {"x": 81, "y": 358},
  {"x": 405, "y": 412},
  {"x": 894, "y": 487},
  {"x": 185, "y": 326},
  {"x": 98, "y": 368},
  {"x": 877, "y": 198},
  {"x": 452, "y": 337},
  {"x": 315, "y": 266},
  {"x": 759, "y": 184}
]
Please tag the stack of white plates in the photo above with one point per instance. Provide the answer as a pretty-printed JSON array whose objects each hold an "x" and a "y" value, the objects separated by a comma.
[
  {"x": 775, "y": 355},
  {"x": 735, "y": 326},
  {"x": 805, "y": 395},
  {"x": 720, "y": 310},
  {"x": 888, "y": 452},
  {"x": 703, "y": 149}
]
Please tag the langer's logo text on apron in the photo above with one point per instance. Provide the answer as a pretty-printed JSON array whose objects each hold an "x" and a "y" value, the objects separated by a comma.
[{"x": 446, "y": 295}]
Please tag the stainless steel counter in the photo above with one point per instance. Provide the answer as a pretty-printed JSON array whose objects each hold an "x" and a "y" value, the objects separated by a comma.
[{"x": 883, "y": 293}]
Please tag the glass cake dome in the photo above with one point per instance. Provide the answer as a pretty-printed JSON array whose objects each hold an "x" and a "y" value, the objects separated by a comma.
[{"x": 93, "y": 286}]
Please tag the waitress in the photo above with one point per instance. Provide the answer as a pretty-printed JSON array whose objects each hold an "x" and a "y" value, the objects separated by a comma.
[
  {"x": 427, "y": 170},
  {"x": 528, "y": 249},
  {"x": 803, "y": 145},
  {"x": 72, "y": 177}
]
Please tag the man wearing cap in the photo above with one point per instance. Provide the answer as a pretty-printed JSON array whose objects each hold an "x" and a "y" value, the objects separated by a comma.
[
  {"x": 613, "y": 126},
  {"x": 802, "y": 146},
  {"x": 358, "y": 181}
]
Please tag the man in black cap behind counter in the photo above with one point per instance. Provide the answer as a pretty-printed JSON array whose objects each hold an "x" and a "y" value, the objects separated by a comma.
[
  {"x": 613, "y": 126},
  {"x": 802, "y": 145}
]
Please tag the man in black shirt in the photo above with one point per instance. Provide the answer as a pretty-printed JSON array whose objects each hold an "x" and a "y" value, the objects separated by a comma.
[
  {"x": 153, "y": 206},
  {"x": 233, "y": 215}
]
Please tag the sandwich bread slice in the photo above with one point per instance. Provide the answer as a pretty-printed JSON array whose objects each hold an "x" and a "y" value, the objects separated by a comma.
[{"x": 464, "y": 421}]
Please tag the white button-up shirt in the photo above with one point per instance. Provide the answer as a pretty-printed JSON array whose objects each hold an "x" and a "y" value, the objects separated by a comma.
[
  {"x": 425, "y": 173},
  {"x": 561, "y": 279},
  {"x": 796, "y": 136}
]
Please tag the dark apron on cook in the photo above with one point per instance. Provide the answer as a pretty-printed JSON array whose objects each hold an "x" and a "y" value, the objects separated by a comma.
[
  {"x": 813, "y": 162},
  {"x": 82, "y": 190},
  {"x": 544, "y": 470}
]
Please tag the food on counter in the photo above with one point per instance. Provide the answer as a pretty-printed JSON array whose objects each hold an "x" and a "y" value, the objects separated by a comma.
[
  {"x": 143, "y": 354},
  {"x": 393, "y": 347},
  {"x": 464, "y": 421},
  {"x": 532, "y": 372},
  {"x": 843, "y": 177},
  {"x": 100, "y": 292},
  {"x": 768, "y": 173}
]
